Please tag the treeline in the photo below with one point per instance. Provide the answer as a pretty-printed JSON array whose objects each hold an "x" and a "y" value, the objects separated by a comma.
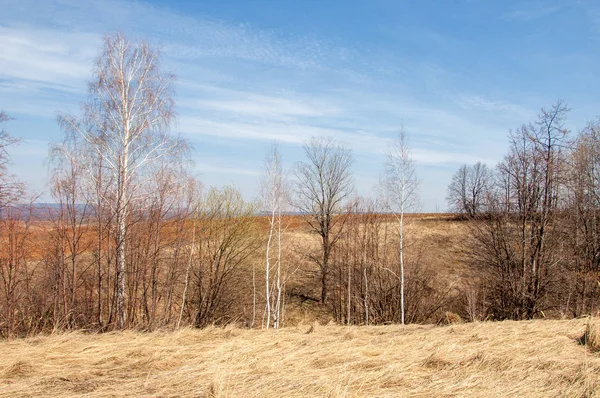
[
  {"x": 136, "y": 241},
  {"x": 535, "y": 222}
]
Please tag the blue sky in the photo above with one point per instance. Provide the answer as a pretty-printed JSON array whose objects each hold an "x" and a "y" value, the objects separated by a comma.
[{"x": 457, "y": 74}]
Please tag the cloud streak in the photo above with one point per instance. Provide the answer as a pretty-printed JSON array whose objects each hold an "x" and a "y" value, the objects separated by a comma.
[{"x": 243, "y": 86}]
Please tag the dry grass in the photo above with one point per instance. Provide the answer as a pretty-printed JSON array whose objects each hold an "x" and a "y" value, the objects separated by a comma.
[
  {"x": 533, "y": 358},
  {"x": 591, "y": 336}
]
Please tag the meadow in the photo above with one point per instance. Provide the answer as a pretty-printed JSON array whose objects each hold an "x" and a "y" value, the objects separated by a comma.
[{"x": 537, "y": 358}]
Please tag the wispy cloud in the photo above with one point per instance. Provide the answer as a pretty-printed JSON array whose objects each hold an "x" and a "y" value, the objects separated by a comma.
[
  {"x": 436, "y": 157},
  {"x": 531, "y": 10},
  {"x": 241, "y": 85},
  {"x": 479, "y": 103},
  {"x": 234, "y": 102},
  {"x": 46, "y": 58}
]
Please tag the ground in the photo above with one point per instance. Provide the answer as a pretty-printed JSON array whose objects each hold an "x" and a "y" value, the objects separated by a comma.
[{"x": 537, "y": 358}]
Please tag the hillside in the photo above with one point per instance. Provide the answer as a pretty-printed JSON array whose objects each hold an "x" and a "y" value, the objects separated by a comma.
[
  {"x": 529, "y": 358},
  {"x": 436, "y": 243}
]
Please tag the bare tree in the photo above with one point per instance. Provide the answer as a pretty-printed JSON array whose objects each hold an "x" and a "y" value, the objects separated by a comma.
[
  {"x": 11, "y": 190},
  {"x": 226, "y": 238},
  {"x": 274, "y": 196},
  {"x": 126, "y": 121},
  {"x": 467, "y": 190},
  {"x": 519, "y": 240},
  {"x": 582, "y": 229},
  {"x": 15, "y": 233},
  {"x": 401, "y": 185},
  {"x": 355, "y": 259},
  {"x": 15, "y": 273},
  {"x": 323, "y": 182},
  {"x": 71, "y": 222},
  {"x": 194, "y": 194}
]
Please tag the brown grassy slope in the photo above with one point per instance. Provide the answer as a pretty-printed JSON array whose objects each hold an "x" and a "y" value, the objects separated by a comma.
[
  {"x": 442, "y": 240},
  {"x": 533, "y": 358},
  {"x": 438, "y": 240}
]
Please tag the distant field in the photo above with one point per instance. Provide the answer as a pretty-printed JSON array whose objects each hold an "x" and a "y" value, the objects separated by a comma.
[{"x": 538, "y": 358}]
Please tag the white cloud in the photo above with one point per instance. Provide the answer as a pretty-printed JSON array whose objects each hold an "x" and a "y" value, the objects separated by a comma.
[
  {"x": 252, "y": 130},
  {"x": 240, "y": 84},
  {"x": 45, "y": 58},
  {"x": 477, "y": 102},
  {"x": 435, "y": 157},
  {"x": 532, "y": 10},
  {"x": 259, "y": 105}
]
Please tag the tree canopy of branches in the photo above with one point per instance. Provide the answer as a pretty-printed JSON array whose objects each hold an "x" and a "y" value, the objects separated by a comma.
[
  {"x": 323, "y": 183},
  {"x": 11, "y": 190},
  {"x": 519, "y": 240},
  {"x": 125, "y": 128},
  {"x": 468, "y": 189},
  {"x": 226, "y": 239},
  {"x": 582, "y": 229}
]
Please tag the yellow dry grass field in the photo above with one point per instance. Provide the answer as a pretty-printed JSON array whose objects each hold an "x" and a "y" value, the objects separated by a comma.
[{"x": 538, "y": 358}]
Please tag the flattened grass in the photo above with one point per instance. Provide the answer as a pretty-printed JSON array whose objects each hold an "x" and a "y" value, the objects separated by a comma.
[{"x": 532, "y": 358}]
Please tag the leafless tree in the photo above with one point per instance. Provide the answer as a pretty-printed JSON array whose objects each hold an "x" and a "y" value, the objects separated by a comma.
[
  {"x": 323, "y": 183},
  {"x": 274, "y": 196},
  {"x": 582, "y": 222},
  {"x": 401, "y": 195},
  {"x": 71, "y": 222},
  {"x": 14, "y": 235},
  {"x": 467, "y": 190},
  {"x": 11, "y": 190},
  {"x": 226, "y": 238},
  {"x": 126, "y": 122},
  {"x": 355, "y": 260},
  {"x": 366, "y": 285},
  {"x": 193, "y": 194},
  {"x": 519, "y": 240}
]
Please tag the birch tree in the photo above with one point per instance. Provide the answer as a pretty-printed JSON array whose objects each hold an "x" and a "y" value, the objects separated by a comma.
[
  {"x": 323, "y": 183},
  {"x": 273, "y": 191},
  {"x": 401, "y": 195},
  {"x": 125, "y": 122},
  {"x": 11, "y": 190}
]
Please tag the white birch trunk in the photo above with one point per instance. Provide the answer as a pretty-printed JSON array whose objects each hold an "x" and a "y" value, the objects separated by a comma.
[
  {"x": 402, "y": 262},
  {"x": 402, "y": 185},
  {"x": 122, "y": 207},
  {"x": 267, "y": 260},
  {"x": 278, "y": 302},
  {"x": 187, "y": 275},
  {"x": 366, "y": 303},
  {"x": 349, "y": 297}
]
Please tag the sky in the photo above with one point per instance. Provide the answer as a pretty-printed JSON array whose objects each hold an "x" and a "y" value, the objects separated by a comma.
[{"x": 457, "y": 74}]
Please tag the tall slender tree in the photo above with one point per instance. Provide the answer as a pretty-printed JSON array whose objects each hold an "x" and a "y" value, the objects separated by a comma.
[
  {"x": 274, "y": 196},
  {"x": 125, "y": 122},
  {"x": 401, "y": 193}
]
